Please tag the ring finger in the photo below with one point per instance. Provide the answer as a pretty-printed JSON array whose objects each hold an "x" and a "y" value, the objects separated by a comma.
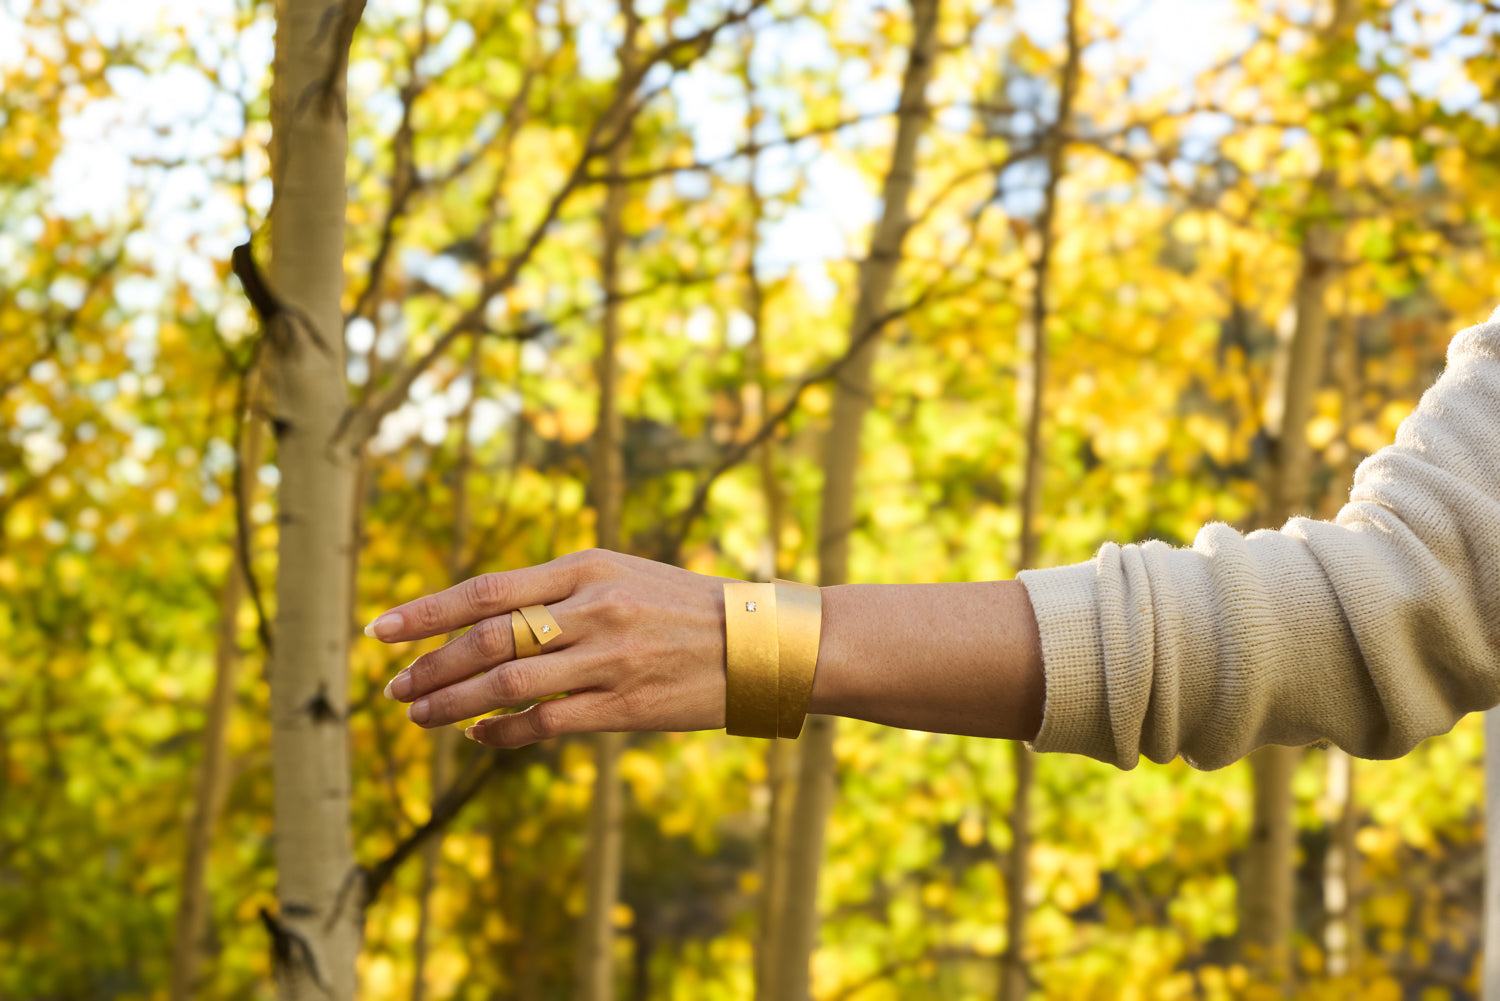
[
  {"x": 510, "y": 683},
  {"x": 489, "y": 642}
]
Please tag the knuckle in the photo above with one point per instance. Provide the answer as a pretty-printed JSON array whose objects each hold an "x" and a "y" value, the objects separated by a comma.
[
  {"x": 544, "y": 719},
  {"x": 440, "y": 708},
  {"x": 421, "y": 614},
  {"x": 595, "y": 564},
  {"x": 422, "y": 673},
  {"x": 576, "y": 564},
  {"x": 510, "y": 735},
  {"x": 507, "y": 685},
  {"x": 617, "y": 604},
  {"x": 491, "y": 638},
  {"x": 499, "y": 733},
  {"x": 488, "y": 591},
  {"x": 637, "y": 703}
]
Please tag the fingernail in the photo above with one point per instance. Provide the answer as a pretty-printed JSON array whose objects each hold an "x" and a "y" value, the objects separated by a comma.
[
  {"x": 417, "y": 711},
  {"x": 384, "y": 626},
  {"x": 469, "y": 732},
  {"x": 399, "y": 687}
]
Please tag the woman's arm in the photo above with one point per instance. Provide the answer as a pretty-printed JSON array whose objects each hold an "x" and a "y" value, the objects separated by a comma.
[
  {"x": 950, "y": 658},
  {"x": 642, "y": 648},
  {"x": 1374, "y": 631}
]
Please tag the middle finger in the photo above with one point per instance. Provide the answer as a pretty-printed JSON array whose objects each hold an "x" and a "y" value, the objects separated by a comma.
[{"x": 487, "y": 643}]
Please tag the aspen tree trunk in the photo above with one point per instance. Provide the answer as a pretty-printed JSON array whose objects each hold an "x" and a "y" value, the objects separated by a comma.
[
  {"x": 1491, "y": 945},
  {"x": 1014, "y": 977},
  {"x": 1268, "y": 874},
  {"x": 798, "y": 924},
  {"x": 1340, "y": 937},
  {"x": 606, "y": 809},
  {"x": 781, "y": 755},
  {"x": 317, "y": 931},
  {"x": 640, "y": 973},
  {"x": 439, "y": 770},
  {"x": 1341, "y": 918},
  {"x": 1267, "y": 882},
  {"x": 444, "y": 738},
  {"x": 782, "y": 763},
  {"x": 1267, "y": 879},
  {"x": 193, "y": 907}
]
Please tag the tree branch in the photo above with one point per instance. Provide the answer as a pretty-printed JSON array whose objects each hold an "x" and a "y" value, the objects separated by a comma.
[
  {"x": 404, "y": 181},
  {"x": 482, "y": 766},
  {"x": 751, "y": 148},
  {"x": 241, "y": 513},
  {"x": 359, "y": 423},
  {"x": 671, "y": 550}
]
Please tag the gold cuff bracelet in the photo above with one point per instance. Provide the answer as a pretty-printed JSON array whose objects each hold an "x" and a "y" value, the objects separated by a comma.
[
  {"x": 750, "y": 658},
  {"x": 799, "y": 626}
]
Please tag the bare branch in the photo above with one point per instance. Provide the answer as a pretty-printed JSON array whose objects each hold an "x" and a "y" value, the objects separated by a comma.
[
  {"x": 748, "y": 149},
  {"x": 241, "y": 488},
  {"x": 404, "y": 184},
  {"x": 359, "y": 422},
  {"x": 482, "y": 766},
  {"x": 279, "y": 319},
  {"x": 741, "y": 450},
  {"x": 69, "y": 320}
]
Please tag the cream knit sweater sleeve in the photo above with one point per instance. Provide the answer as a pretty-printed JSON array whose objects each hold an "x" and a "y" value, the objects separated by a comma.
[{"x": 1373, "y": 631}]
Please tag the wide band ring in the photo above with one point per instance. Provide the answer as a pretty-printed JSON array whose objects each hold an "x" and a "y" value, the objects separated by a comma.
[{"x": 533, "y": 627}]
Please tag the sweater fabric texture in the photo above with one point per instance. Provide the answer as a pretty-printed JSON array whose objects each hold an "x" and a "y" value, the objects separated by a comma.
[{"x": 1372, "y": 631}]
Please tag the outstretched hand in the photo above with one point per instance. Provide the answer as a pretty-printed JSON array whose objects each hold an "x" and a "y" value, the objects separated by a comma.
[{"x": 642, "y": 648}]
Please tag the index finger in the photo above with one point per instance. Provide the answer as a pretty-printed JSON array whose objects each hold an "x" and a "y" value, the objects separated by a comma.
[{"x": 475, "y": 599}]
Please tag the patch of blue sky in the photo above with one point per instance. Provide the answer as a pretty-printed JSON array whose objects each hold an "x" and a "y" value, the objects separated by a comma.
[
  {"x": 172, "y": 113},
  {"x": 12, "y": 48},
  {"x": 169, "y": 114},
  {"x": 1440, "y": 75},
  {"x": 454, "y": 40}
]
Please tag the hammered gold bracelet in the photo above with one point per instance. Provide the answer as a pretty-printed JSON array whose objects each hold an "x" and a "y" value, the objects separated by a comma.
[{"x": 771, "y": 635}]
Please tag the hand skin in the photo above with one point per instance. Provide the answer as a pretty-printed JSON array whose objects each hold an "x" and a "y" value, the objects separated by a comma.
[{"x": 642, "y": 648}]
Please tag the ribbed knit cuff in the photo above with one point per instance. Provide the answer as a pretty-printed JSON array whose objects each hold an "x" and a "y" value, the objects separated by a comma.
[{"x": 1075, "y": 716}]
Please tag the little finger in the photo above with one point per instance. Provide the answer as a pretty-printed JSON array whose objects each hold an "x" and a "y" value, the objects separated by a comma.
[
  {"x": 511, "y": 683},
  {"x": 586, "y": 712}
]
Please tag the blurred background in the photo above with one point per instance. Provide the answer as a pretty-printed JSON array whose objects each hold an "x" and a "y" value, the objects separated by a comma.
[{"x": 1070, "y": 272}]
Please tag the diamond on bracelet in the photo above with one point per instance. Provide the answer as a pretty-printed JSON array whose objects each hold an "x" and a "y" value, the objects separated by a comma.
[{"x": 749, "y": 606}]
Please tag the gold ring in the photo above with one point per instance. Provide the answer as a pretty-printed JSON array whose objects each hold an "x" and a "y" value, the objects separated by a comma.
[
  {"x": 526, "y": 644},
  {"x": 533, "y": 627},
  {"x": 543, "y": 626}
]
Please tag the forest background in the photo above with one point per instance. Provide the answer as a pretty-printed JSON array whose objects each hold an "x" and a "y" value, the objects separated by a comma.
[{"x": 980, "y": 285}]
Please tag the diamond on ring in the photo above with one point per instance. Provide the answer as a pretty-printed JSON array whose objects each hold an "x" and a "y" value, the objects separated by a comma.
[
  {"x": 546, "y": 629},
  {"x": 749, "y": 606}
]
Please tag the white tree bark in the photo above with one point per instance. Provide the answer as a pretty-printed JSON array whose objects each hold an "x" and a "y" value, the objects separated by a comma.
[{"x": 316, "y": 934}]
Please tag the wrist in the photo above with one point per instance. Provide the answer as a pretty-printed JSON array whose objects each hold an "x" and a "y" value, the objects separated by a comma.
[{"x": 832, "y": 693}]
